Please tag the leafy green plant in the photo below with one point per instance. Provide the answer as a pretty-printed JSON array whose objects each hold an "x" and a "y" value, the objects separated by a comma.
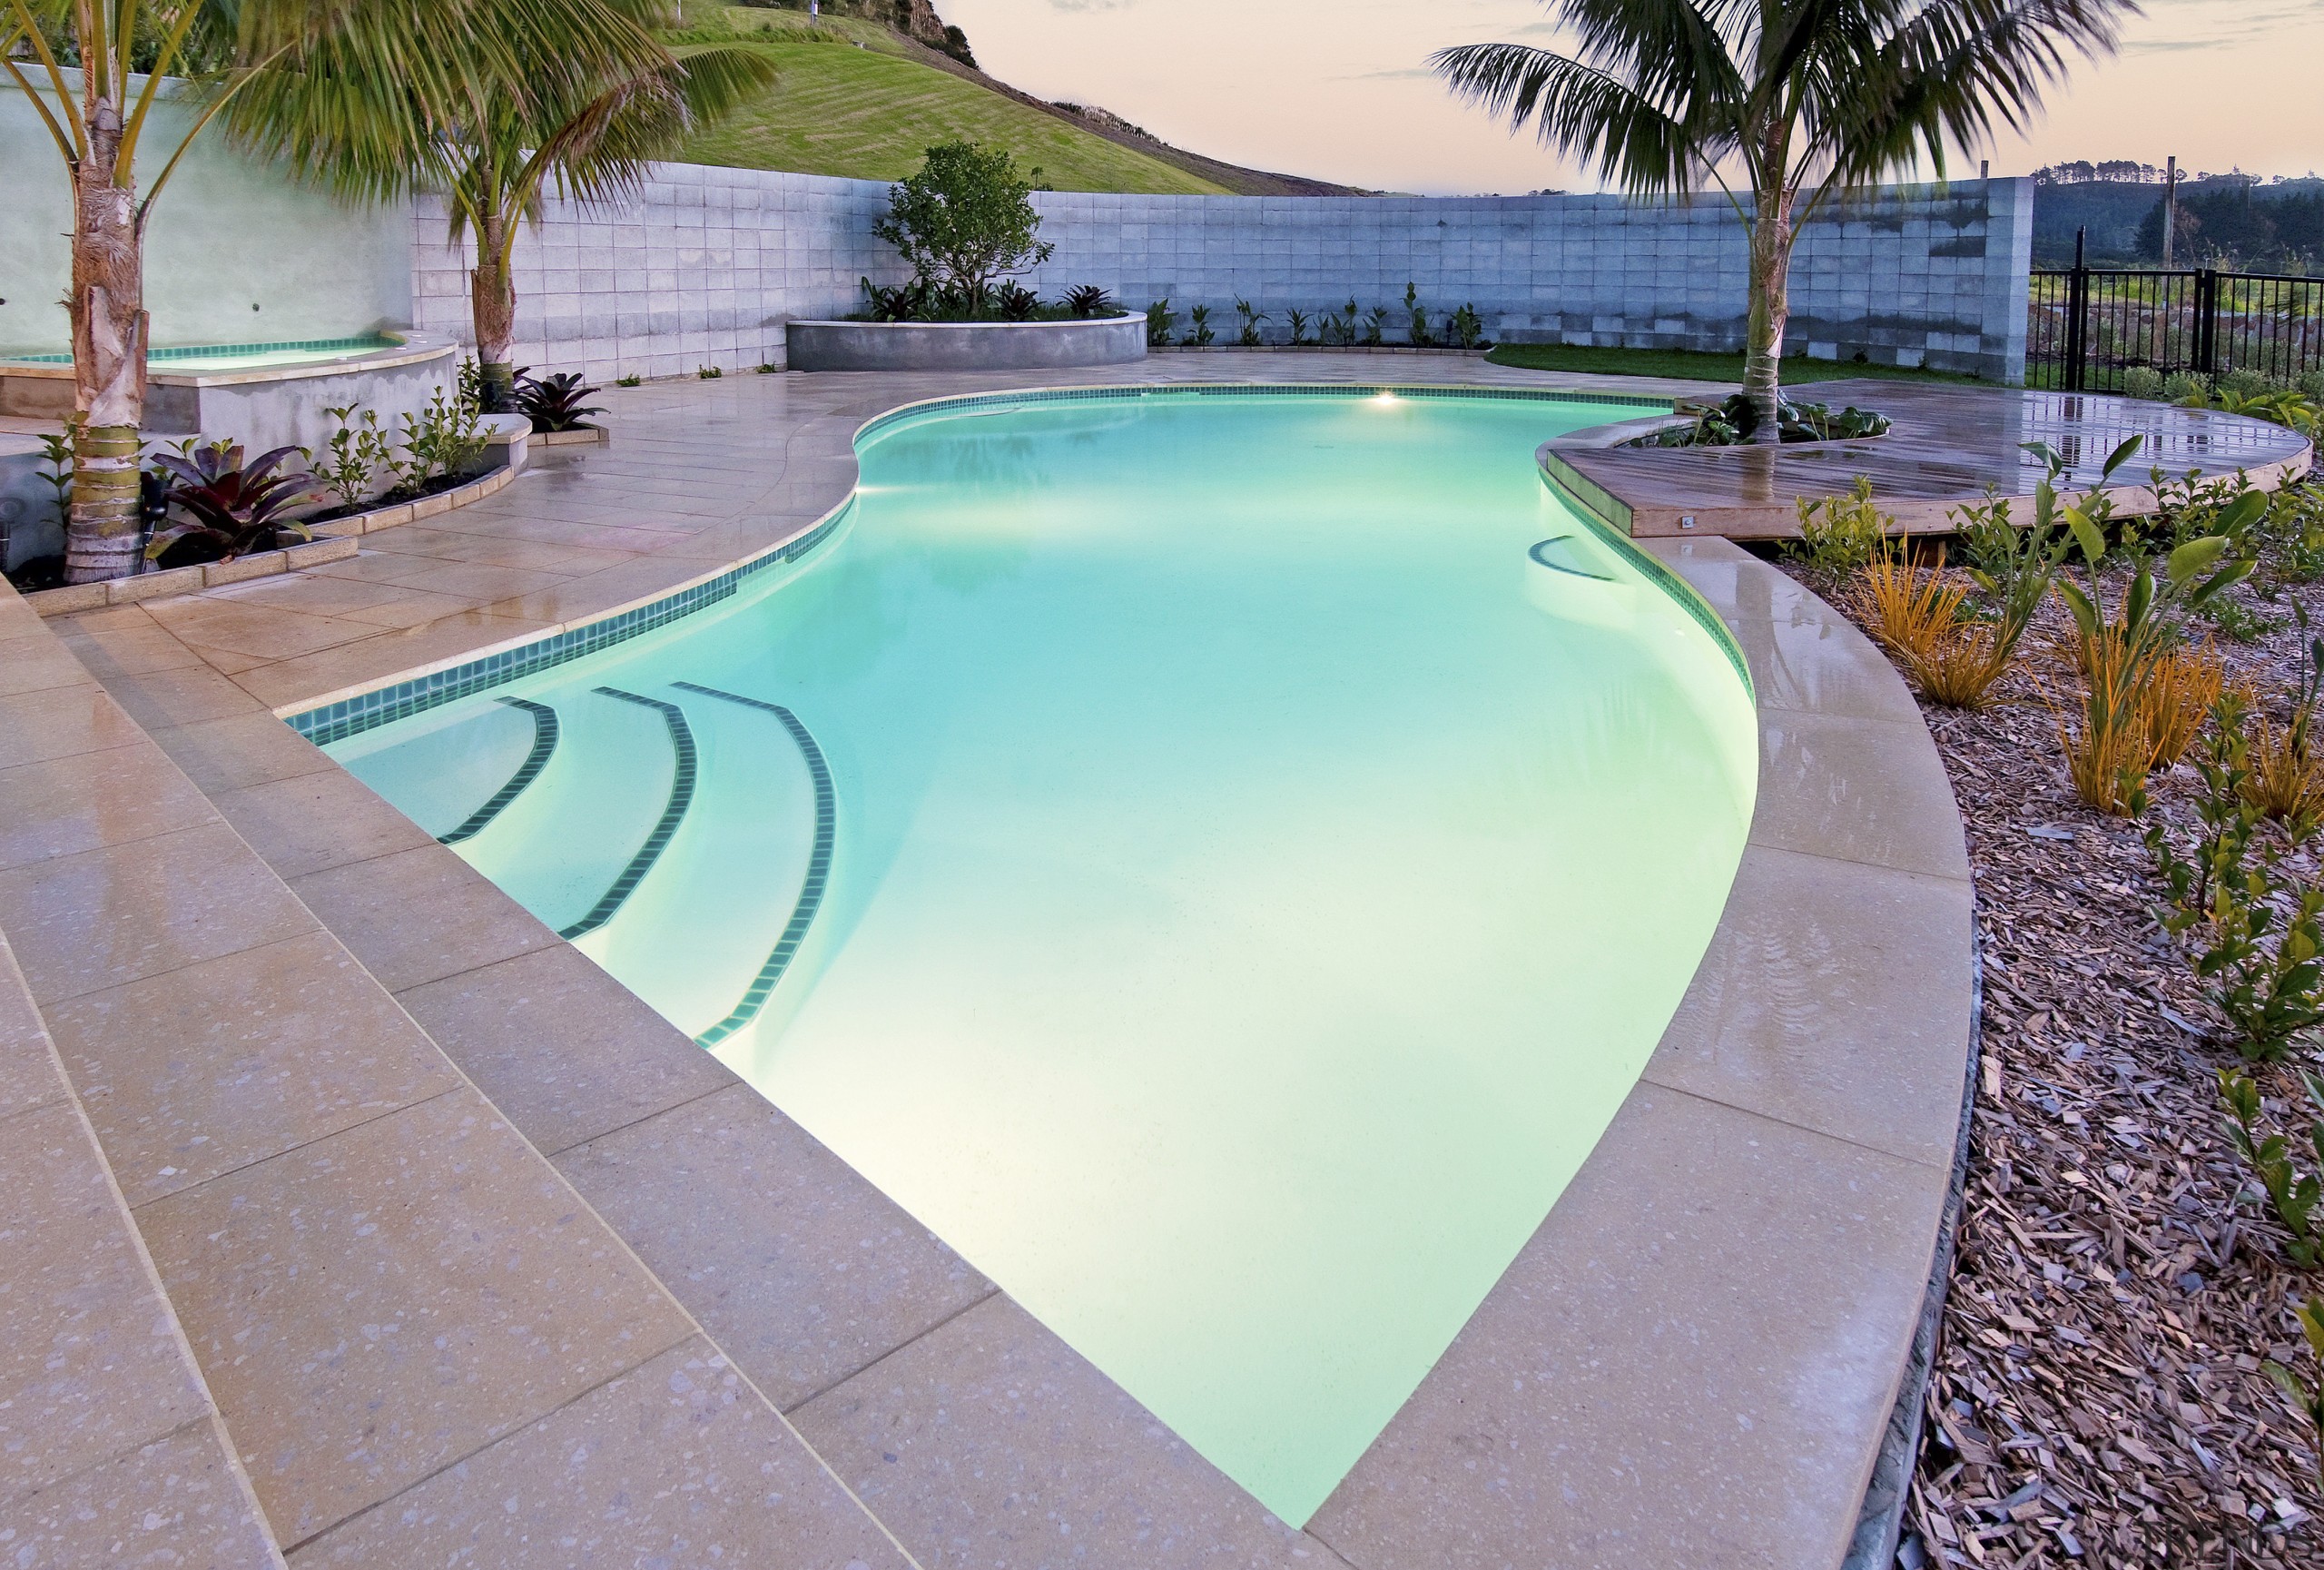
[
  {"x": 554, "y": 402},
  {"x": 1840, "y": 535},
  {"x": 2152, "y": 609},
  {"x": 1200, "y": 333},
  {"x": 231, "y": 507},
  {"x": 440, "y": 441},
  {"x": 2308, "y": 1398},
  {"x": 57, "y": 451},
  {"x": 2291, "y": 535},
  {"x": 1336, "y": 328},
  {"x": 1249, "y": 316},
  {"x": 1416, "y": 315},
  {"x": 769, "y": 369},
  {"x": 1298, "y": 323},
  {"x": 2269, "y": 989},
  {"x": 2191, "y": 507},
  {"x": 1466, "y": 327},
  {"x": 1159, "y": 320},
  {"x": 1090, "y": 301},
  {"x": 2238, "y": 622},
  {"x": 629, "y": 381},
  {"x": 2180, "y": 386},
  {"x": 2293, "y": 1194},
  {"x": 707, "y": 372},
  {"x": 965, "y": 218},
  {"x": 2144, "y": 381},
  {"x": 1375, "y": 327},
  {"x": 357, "y": 451}
]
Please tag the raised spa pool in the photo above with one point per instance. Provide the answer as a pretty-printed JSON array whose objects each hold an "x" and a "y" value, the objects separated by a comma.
[
  {"x": 1216, "y": 858},
  {"x": 223, "y": 358}
]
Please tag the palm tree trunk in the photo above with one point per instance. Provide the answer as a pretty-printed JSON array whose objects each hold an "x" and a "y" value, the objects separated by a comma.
[
  {"x": 109, "y": 328},
  {"x": 1771, "y": 237},
  {"x": 492, "y": 302}
]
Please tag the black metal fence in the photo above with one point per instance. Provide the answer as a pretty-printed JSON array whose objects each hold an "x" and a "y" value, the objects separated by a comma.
[{"x": 2087, "y": 325}]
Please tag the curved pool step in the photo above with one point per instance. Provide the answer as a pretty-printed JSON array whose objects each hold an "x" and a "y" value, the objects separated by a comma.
[
  {"x": 819, "y": 867},
  {"x": 682, "y": 786},
  {"x": 545, "y": 734}
]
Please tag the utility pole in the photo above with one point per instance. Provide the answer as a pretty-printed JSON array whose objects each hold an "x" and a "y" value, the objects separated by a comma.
[{"x": 2170, "y": 203}]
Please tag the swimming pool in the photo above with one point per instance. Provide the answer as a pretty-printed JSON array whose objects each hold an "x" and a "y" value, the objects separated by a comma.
[{"x": 1218, "y": 859}]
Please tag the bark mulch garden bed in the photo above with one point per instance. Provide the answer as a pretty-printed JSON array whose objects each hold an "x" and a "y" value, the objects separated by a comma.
[{"x": 2097, "y": 1396}]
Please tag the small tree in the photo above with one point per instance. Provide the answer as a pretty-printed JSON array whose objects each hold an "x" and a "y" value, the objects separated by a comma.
[{"x": 964, "y": 220}]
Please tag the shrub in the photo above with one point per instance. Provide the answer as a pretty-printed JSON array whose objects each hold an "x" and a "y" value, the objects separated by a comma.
[
  {"x": 629, "y": 381},
  {"x": 1298, "y": 323},
  {"x": 2293, "y": 1194},
  {"x": 965, "y": 219},
  {"x": 2308, "y": 1398},
  {"x": 357, "y": 451},
  {"x": 1416, "y": 317},
  {"x": 1199, "y": 333},
  {"x": 1840, "y": 535},
  {"x": 2144, "y": 381},
  {"x": 2182, "y": 385},
  {"x": 1466, "y": 327},
  {"x": 1159, "y": 320},
  {"x": 2291, "y": 535},
  {"x": 2269, "y": 992},
  {"x": 1375, "y": 327}
]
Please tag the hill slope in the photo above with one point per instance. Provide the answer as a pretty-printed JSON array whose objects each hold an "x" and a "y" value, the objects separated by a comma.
[{"x": 861, "y": 100}]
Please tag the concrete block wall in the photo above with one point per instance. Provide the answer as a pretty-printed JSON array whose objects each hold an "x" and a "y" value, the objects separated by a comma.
[{"x": 705, "y": 266}]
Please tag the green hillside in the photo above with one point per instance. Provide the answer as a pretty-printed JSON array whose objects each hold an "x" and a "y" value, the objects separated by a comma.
[{"x": 854, "y": 99}]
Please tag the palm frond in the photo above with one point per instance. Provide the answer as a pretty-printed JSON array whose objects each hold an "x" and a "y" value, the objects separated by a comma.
[{"x": 1584, "y": 113}]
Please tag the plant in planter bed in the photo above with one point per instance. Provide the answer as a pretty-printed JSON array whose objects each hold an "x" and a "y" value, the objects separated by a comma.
[
  {"x": 1088, "y": 301},
  {"x": 554, "y": 402},
  {"x": 229, "y": 507}
]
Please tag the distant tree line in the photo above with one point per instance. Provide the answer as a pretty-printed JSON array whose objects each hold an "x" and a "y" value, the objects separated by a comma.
[{"x": 2229, "y": 221}]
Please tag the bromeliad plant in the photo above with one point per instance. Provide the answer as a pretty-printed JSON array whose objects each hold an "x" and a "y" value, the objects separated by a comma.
[
  {"x": 554, "y": 402},
  {"x": 1090, "y": 301},
  {"x": 231, "y": 506}
]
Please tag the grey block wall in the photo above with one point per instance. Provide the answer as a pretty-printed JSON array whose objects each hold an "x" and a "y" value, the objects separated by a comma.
[{"x": 706, "y": 266}]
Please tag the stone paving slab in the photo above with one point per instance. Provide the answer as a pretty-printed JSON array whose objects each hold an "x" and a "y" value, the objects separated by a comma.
[{"x": 332, "y": 1232}]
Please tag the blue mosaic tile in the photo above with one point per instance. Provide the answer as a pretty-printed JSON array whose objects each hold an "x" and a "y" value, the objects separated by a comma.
[
  {"x": 674, "y": 812},
  {"x": 228, "y": 351},
  {"x": 401, "y": 700},
  {"x": 819, "y": 867},
  {"x": 545, "y": 734}
]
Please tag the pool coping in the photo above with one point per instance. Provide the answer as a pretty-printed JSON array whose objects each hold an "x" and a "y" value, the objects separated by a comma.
[{"x": 1737, "y": 1108}]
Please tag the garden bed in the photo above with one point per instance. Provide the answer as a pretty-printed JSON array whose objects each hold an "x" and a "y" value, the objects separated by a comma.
[
  {"x": 2098, "y": 1397},
  {"x": 335, "y": 540},
  {"x": 965, "y": 345}
]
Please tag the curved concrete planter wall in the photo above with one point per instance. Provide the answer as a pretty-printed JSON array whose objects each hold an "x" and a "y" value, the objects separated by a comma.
[{"x": 965, "y": 345}]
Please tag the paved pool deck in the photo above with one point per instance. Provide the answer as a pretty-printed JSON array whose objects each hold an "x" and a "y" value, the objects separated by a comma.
[{"x": 465, "y": 1252}]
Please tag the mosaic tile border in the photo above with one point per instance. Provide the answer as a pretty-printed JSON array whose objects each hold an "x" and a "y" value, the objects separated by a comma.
[
  {"x": 545, "y": 734},
  {"x": 368, "y": 340},
  {"x": 1689, "y": 600},
  {"x": 811, "y": 888},
  {"x": 366, "y": 711},
  {"x": 674, "y": 812}
]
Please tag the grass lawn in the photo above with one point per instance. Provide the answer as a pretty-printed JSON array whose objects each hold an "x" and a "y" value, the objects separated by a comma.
[
  {"x": 1680, "y": 362},
  {"x": 851, "y": 103}
]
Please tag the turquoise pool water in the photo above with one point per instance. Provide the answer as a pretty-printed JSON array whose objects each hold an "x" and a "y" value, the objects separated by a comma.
[
  {"x": 1217, "y": 861},
  {"x": 218, "y": 357}
]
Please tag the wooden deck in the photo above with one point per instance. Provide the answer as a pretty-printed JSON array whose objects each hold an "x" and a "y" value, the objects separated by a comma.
[{"x": 1947, "y": 446}]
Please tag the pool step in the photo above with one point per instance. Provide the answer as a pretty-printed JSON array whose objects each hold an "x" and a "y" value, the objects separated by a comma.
[
  {"x": 573, "y": 841},
  {"x": 707, "y": 937}
]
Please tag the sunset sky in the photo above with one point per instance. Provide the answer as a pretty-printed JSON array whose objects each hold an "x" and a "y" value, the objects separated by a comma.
[{"x": 1337, "y": 89}]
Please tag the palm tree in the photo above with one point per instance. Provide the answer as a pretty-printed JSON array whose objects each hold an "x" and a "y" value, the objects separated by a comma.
[
  {"x": 1798, "y": 99},
  {"x": 103, "y": 64},
  {"x": 584, "y": 114}
]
